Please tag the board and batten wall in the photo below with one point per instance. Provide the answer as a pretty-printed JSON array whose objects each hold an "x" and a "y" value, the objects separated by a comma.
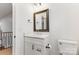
[{"x": 63, "y": 23}]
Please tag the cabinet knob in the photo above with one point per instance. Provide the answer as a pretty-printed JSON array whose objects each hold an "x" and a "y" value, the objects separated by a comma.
[
  {"x": 60, "y": 43},
  {"x": 14, "y": 36}
]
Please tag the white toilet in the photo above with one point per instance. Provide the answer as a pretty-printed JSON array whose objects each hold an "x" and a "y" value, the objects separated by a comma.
[{"x": 67, "y": 47}]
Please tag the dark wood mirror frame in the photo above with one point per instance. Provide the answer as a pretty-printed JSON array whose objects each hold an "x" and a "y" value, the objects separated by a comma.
[{"x": 47, "y": 21}]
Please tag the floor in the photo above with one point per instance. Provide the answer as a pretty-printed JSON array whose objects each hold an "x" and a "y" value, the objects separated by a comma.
[{"x": 7, "y": 51}]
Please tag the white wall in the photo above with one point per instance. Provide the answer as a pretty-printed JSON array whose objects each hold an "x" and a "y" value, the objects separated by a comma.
[
  {"x": 6, "y": 23},
  {"x": 63, "y": 23},
  {"x": 18, "y": 12}
]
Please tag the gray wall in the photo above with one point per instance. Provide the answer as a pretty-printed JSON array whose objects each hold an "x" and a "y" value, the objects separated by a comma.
[{"x": 6, "y": 23}]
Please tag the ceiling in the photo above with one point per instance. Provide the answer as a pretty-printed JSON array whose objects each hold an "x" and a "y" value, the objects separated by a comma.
[{"x": 5, "y": 9}]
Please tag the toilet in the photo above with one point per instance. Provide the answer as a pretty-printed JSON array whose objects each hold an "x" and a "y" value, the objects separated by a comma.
[{"x": 67, "y": 47}]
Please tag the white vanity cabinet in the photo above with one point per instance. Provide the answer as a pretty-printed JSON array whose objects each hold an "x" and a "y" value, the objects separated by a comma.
[{"x": 35, "y": 45}]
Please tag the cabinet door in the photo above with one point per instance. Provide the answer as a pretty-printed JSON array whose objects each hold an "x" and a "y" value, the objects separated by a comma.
[{"x": 29, "y": 48}]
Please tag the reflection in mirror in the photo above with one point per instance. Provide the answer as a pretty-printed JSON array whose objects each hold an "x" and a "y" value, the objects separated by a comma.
[{"x": 41, "y": 21}]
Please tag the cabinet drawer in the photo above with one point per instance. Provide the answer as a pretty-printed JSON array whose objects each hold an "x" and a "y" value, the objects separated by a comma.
[
  {"x": 34, "y": 48},
  {"x": 35, "y": 40}
]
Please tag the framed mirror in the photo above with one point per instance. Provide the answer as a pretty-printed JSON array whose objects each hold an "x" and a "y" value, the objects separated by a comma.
[{"x": 41, "y": 21}]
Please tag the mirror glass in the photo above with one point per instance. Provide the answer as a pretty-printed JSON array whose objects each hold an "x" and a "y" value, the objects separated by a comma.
[{"x": 41, "y": 21}]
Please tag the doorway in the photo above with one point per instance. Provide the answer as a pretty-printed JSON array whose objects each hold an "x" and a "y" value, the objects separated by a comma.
[{"x": 6, "y": 32}]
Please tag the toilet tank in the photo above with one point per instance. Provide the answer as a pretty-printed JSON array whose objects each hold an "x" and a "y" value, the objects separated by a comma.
[{"x": 67, "y": 47}]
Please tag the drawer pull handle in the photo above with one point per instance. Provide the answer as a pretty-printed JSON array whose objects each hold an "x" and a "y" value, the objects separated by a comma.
[
  {"x": 32, "y": 47},
  {"x": 39, "y": 50}
]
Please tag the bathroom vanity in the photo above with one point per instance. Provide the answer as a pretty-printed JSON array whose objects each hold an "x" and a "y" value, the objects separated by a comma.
[{"x": 36, "y": 44}]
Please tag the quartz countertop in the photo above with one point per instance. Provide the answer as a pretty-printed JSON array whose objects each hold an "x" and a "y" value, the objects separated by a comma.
[{"x": 36, "y": 36}]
